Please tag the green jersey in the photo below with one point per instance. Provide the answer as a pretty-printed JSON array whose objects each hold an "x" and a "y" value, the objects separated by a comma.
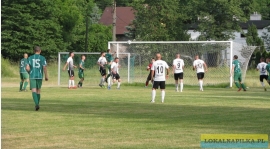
[
  {"x": 36, "y": 63},
  {"x": 268, "y": 68},
  {"x": 109, "y": 57},
  {"x": 81, "y": 63},
  {"x": 23, "y": 64},
  {"x": 237, "y": 68}
]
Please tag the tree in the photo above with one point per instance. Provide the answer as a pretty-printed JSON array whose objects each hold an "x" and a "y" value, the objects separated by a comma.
[
  {"x": 252, "y": 39},
  {"x": 266, "y": 38},
  {"x": 157, "y": 20},
  {"x": 263, "y": 7},
  {"x": 27, "y": 23},
  {"x": 216, "y": 19}
]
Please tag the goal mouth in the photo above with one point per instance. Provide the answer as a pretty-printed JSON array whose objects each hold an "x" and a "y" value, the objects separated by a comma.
[{"x": 217, "y": 55}]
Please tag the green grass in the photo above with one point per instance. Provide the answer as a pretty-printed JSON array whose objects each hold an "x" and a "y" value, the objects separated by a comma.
[{"x": 92, "y": 117}]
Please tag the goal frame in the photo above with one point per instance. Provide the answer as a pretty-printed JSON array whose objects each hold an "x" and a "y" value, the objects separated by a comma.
[{"x": 153, "y": 42}]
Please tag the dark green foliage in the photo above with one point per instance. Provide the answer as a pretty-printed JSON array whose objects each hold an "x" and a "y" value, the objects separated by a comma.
[
  {"x": 55, "y": 26},
  {"x": 258, "y": 57}
]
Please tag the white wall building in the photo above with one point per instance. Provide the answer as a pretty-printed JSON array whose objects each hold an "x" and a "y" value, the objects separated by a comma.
[{"x": 239, "y": 37}]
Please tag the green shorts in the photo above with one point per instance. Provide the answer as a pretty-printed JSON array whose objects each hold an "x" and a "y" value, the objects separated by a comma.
[
  {"x": 24, "y": 76},
  {"x": 81, "y": 75},
  {"x": 237, "y": 77},
  {"x": 35, "y": 83},
  {"x": 109, "y": 67}
]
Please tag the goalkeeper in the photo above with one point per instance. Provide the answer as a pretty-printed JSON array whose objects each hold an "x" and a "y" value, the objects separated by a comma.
[{"x": 109, "y": 58}]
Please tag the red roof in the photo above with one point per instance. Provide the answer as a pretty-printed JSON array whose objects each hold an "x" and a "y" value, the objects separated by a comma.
[{"x": 124, "y": 17}]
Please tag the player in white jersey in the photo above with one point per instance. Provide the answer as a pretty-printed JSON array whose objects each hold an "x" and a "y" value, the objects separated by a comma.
[
  {"x": 115, "y": 72},
  {"x": 159, "y": 68},
  {"x": 263, "y": 72},
  {"x": 70, "y": 69},
  {"x": 178, "y": 66},
  {"x": 102, "y": 69},
  {"x": 201, "y": 67}
]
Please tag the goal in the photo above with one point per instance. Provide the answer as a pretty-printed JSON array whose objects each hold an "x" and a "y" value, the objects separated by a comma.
[
  {"x": 92, "y": 75},
  {"x": 217, "y": 55}
]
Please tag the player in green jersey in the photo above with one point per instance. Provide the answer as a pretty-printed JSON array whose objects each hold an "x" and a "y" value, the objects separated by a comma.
[
  {"x": 23, "y": 73},
  {"x": 81, "y": 71},
  {"x": 236, "y": 71},
  {"x": 36, "y": 66},
  {"x": 268, "y": 69},
  {"x": 109, "y": 58}
]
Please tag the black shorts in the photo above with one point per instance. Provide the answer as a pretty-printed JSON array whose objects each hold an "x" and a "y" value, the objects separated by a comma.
[
  {"x": 149, "y": 76},
  {"x": 115, "y": 76},
  {"x": 160, "y": 84},
  {"x": 263, "y": 77},
  {"x": 102, "y": 71},
  {"x": 178, "y": 76},
  {"x": 200, "y": 75},
  {"x": 71, "y": 73}
]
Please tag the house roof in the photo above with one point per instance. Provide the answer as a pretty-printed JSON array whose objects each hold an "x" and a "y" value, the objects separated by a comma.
[
  {"x": 124, "y": 17},
  {"x": 260, "y": 24}
]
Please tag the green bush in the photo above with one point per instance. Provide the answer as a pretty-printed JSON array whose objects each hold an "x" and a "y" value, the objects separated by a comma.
[{"x": 7, "y": 69}]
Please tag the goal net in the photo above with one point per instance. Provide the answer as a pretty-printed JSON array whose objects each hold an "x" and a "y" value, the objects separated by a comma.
[
  {"x": 91, "y": 73},
  {"x": 217, "y": 55}
]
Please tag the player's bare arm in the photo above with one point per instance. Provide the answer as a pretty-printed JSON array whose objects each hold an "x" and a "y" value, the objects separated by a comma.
[
  {"x": 167, "y": 76},
  {"x": 232, "y": 71},
  {"x": 100, "y": 64},
  {"x": 205, "y": 67},
  {"x": 81, "y": 66},
  {"x": 46, "y": 73},
  {"x": 27, "y": 68},
  {"x": 152, "y": 75},
  {"x": 65, "y": 66}
]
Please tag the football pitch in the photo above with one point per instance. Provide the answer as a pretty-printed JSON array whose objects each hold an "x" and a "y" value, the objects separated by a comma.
[{"x": 93, "y": 117}]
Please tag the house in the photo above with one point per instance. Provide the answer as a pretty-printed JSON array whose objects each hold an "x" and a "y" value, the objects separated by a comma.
[
  {"x": 239, "y": 36},
  {"x": 124, "y": 17}
]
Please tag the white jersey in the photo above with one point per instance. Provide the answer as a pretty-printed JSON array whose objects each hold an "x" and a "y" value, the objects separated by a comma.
[
  {"x": 178, "y": 65},
  {"x": 159, "y": 67},
  {"x": 262, "y": 68},
  {"x": 102, "y": 60},
  {"x": 114, "y": 66},
  {"x": 198, "y": 64},
  {"x": 70, "y": 63}
]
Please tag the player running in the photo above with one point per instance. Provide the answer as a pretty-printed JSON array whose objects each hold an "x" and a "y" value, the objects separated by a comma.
[
  {"x": 149, "y": 76},
  {"x": 178, "y": 66},
  {"x": 201, "y": 67},
  {"x": 236, "y": 70},
  {"x": 109, "y": 58},
  {"x": 36, "y": 65},
  {"x": 71, "y": 67},
  {"x": 159, "y": 68},
  {"x": 23, "y": 73},
  {"x": 102, "y": 62},
  {"x": 81, "y": 71},
  {"x": 263, "y": 72},
  {"x": 115, "y": 73},
  {"x": 268, "y": 69}
]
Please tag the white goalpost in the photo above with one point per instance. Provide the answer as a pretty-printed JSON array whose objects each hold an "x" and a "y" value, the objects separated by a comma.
[{"x": 217, "y": 54}]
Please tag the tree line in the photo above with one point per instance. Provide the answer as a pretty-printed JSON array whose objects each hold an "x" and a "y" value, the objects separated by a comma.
[{"x": 62, "y": 25}]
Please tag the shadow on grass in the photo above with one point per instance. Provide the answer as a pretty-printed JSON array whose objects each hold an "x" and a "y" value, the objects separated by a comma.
[{"x": 252, "y": 120}]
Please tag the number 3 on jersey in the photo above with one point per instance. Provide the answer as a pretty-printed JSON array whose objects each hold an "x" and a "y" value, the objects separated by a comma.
[
  {"x": 160, "y": 69},
  {"x": 36, "y": 63}
]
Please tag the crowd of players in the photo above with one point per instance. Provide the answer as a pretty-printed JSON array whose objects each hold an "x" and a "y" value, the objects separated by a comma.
[{"x": 35, "y": 66}]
